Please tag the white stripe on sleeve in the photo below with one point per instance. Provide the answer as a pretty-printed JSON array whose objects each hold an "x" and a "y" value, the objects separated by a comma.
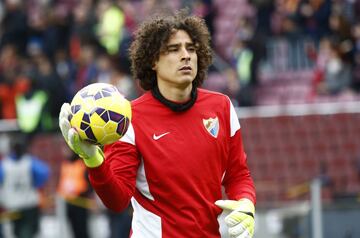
[
  {"x": 129, "y": 136},
  {"x": 234, "y": 121}
]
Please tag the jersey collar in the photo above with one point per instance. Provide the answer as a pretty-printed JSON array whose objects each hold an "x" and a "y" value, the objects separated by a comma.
[{"x": 176, "y": 107}]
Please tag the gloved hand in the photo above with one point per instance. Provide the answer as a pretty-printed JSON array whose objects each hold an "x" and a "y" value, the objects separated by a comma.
[
  {"x": 240, "y": 221},
  {"x": 92, "y": 155}
]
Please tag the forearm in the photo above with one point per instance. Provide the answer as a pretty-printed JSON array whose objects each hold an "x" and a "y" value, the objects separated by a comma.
[
  {"x": 237, "y": 181},
  {"x": 114, "y": 180},
  {"x": 242, "y": 188},
  {"x": 114, "y": 192}
]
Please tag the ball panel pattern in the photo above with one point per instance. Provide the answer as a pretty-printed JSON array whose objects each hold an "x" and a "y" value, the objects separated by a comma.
[
  {"x": 86, "y": 118},
  {"x": 90, "y": 135},
  {"x": 122, "y": 126},
  {"x": 105, "y": 116},
  {"x": 100, "y": 114}
]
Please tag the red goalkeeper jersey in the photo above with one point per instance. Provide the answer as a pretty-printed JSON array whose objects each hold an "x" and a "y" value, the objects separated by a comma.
[{"x": 173, "y": 165}]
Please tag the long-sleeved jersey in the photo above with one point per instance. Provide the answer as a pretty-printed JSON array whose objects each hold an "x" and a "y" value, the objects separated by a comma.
[{"x": 172, "y": 165}]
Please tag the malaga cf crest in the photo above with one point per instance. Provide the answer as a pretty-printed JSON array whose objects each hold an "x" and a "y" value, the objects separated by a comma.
[{"x": 212, "y": 126}]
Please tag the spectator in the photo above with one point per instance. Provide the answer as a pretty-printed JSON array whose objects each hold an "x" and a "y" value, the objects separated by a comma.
[
  {"x": 112, "y": 70},
  {"x": 75, "y": 189},
  {"x": 120, "y": 223},
  {"x": 356, "y": 8},
  {"x": 356, "y": 57},
  {"x": 14, "y": 25},
  {"x": 49, "y": 81},
  {"x": 66, "y": 69},
  {"x": 1, "y": 216},
  {"x": 124, "y": 83},
  {"x": 242, "y": 89},
  {"x": 10, "y": 84},
  {"x": 245, "y": 65},
  {"x": 111, "y": 26},
  {"x": 206, "y": 10},
  {"x": 313, "y": 17},
  {"x": 82, "y": 28},
  {"x": 87, "y": 70},
  {"x": 33, "y": 112},
  {"x": 340, "y": 27},
  {"x": 21, "y": 177},
  {"x": 320, "y": 58},
  {"x": 337, "y": 74}
]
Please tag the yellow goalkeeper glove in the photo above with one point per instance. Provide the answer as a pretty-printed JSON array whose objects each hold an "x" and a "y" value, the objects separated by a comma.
[
  {"x": 92, "y": 155},
  {"x": 240, "y": 221}
]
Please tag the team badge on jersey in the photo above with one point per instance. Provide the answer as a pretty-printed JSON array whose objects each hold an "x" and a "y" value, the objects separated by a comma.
[{"x": 212, "y": 126}]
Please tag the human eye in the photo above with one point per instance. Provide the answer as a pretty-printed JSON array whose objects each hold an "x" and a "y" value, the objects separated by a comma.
[
  {"x": 172, "y": 49},
  {"x": 191, "y": 48}
]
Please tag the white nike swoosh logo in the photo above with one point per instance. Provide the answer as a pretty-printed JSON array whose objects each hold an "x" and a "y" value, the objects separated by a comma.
[{"x": 155, "y": 137}]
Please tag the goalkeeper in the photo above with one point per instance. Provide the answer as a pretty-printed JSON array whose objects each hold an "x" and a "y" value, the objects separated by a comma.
[{"x": 183, "y": 144}]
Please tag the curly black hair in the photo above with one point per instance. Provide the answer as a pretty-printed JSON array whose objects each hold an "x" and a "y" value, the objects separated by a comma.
[{"x": 151, "y": 39}]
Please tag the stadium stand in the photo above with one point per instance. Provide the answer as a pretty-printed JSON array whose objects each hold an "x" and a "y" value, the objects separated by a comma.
[{"x": 289, "y": 147}]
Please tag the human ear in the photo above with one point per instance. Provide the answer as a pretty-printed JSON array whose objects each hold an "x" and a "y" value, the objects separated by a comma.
[{"x": 154, "y": 66}]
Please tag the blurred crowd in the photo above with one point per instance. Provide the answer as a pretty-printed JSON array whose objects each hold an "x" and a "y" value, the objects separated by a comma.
[
  {"x": 321, "y": 36},
  {"x": 51, "y": 49}
]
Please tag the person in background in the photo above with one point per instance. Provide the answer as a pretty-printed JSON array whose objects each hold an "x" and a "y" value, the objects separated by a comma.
[
  {"x": 355, "y": 82},
  {"x": 246, "y": 73},
  {"x": 86, "y": 70},
  {"x": 75, "y": 189},
  {"x": 33, "y": 109},
  {"x": 120, "y": 223},
  {"x": 21, "y": 177},
  {"x": 113, "y": 70},
  {"x": 337, "y": 73},
  {"x": 49, "y": 81},
  {"x": 10, "y": 83},
  {"x": 110, "y": 26},
  {"x": 183, "y": 145},
  {"x": 1, "y": 217}
]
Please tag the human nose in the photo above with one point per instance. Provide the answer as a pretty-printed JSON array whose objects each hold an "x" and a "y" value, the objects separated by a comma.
[{"x": 185, "y": 55}]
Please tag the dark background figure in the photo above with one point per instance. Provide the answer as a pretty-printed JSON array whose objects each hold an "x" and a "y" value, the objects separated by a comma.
[
  {"x": 14, "y": 26},
  {"x": 33, "y": 109},
  {"x": 245, "y": 64},
  {"x": 337, "y": 73},
  {"x": 313, "y": 16},
  {"x": 74, "y": 187},
  {"x": 10, "y": 82},
  {"x": 1, "y": 219},
  {"x": 48, "y": 80},
  {"x": 120, "y": 223}
]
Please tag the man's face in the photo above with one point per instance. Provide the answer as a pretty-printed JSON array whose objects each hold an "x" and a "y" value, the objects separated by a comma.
[{"x": 177, "y": 65}]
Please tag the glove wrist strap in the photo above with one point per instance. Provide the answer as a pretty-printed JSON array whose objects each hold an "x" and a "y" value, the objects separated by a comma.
[
  {"x": 247, "y": 207},
  {"x": 96, "y": 160}
]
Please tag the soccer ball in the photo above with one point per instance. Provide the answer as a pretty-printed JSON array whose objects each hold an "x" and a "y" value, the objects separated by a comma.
[{"x": 100, "y": 114}]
